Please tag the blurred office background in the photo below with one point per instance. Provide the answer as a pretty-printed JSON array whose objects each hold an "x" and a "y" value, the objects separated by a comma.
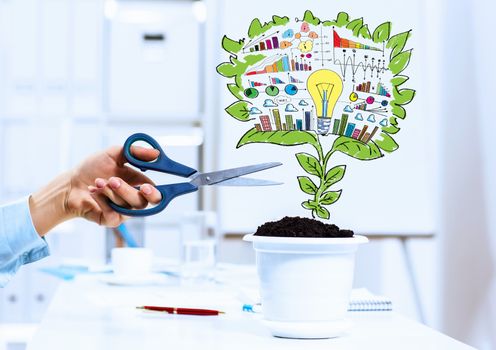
[{"x": 79, "y": 75}]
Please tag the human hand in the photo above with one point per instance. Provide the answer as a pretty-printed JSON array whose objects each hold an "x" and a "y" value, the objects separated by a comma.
[
  {"x": 73, "y": 194},
  {"x": 91, "y": 176}
]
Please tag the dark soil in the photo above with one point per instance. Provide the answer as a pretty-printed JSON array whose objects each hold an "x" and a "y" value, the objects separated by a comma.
[{"x": 301, "y": 227}]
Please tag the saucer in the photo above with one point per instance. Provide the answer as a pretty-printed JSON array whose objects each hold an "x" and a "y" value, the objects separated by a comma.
[
  {"x": 308, "y": 330},
  {"x": 142, "y": 280}
]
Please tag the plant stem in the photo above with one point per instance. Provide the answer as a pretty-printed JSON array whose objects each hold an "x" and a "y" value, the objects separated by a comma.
[
  {"x": 320, "y": 152},
  {"x": 326, "y": 159},
  {"x": 323, "y": 163}
]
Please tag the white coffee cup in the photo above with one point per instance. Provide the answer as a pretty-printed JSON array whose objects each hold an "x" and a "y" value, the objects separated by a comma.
[{"x": 132, "y": 262}]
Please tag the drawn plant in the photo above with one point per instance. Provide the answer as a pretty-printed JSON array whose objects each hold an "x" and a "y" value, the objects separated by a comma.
[{"x": 322, "y": 176}]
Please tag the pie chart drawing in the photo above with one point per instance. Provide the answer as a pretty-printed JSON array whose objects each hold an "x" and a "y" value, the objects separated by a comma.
[
  {"x": 291, "y": 89},
  {"x": 272, "y": 90},
  {"x": 251, "y": 93}
]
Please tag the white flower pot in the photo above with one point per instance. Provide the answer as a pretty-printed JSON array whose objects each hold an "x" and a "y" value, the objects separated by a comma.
[{"x": 305, "y": 283}]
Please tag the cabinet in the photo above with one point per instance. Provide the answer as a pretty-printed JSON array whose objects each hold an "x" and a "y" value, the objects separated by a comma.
[{"x": 154, "y": 66}]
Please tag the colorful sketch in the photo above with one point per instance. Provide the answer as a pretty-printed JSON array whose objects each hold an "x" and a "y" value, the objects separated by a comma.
[{"x": 306, "y": 81}]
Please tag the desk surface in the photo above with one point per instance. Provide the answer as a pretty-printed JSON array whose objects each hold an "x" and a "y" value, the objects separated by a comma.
[{"x": 89, "y": 314}]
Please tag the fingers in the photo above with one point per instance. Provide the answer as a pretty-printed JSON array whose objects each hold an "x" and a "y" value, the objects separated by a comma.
[
  {"x": 150, "y": 193},
  {"x": 128, "y": 193},
  {"x": 107, "y": 216},
  {"x": 133, "y": 177},
  {"x": 123, "y": 194},
  {"x": 102, "y": 187}
]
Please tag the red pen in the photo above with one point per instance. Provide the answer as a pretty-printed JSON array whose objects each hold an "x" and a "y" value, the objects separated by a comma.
[{"x": 181, "y": 310}]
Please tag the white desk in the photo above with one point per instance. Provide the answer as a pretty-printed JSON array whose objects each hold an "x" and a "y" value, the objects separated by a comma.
[{"x": 88, "y": 314}]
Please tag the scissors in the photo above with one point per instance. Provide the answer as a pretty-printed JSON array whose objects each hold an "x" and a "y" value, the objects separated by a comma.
[{"x": 229, "y": 177}]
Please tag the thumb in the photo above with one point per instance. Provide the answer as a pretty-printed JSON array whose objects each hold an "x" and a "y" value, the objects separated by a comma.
[{"x": 143, "y": 153}]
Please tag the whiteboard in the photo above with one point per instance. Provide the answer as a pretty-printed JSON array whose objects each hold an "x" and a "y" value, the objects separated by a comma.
[{"x": 392, "y": 195}]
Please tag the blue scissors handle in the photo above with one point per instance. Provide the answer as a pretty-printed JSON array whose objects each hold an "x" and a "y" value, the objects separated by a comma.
[
  {"x": 162, "y": 163},
  {"x": 169, "y": 192}
]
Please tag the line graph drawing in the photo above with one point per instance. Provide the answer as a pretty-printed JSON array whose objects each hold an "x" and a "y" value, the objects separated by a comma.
[{"x": 351, "y": 62}]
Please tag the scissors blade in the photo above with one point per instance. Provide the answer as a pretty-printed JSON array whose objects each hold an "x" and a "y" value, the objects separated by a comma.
[
  {"x": 246, "y": 181},
  {"x": 218, "y": 176}
]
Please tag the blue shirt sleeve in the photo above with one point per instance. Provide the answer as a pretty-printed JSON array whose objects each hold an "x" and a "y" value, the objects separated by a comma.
[{"x": 19, "y": 242}]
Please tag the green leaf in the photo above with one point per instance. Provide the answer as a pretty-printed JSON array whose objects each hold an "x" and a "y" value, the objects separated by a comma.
[
  {"x": 382, "y": 32},
  {"x": 236, "y": 68},
  {"x": 232, "y": 46},
  {"x": 356, "y": 149},
  {"x": 309, "y": 163},
  {"x": 397, "y": 110},
  {"x": 393, "y": 121},
  {"x": 322, "y": 212},
  {"x": 403, "y": 96},
  {"x": 399, "y": 62},
  {"x": 341, "y": 20},
  {"x": 397, "y": 43},
  {"x": 280, "y": 21},
  {"x": 387, "y": 143},
  {"x": 309, "y": 205},
  {"x": 235, "y": 90},
  {"x": 334, "y": 175},
  {"x": 307, "y": 185},
  {"x": 355, "y": 26},
  {"x": 226, "y": 69},
  {"x": 365, "y": 32},
  {"x": 239, "y": 110},
  {"x": 391, "y": 129},
  {"x": 282, "y": 138},
  {"x": 330, "y": 197},
  {"x": 310, "y": 18},
  {"x": 399, "y": 80},
  {"x": 256, "y": 28}
]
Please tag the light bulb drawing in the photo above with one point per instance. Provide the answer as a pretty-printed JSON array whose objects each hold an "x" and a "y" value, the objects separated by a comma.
[{"x": 325, "y": 87}]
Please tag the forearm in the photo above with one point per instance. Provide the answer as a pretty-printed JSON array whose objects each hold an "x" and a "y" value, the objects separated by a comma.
[
  {"x": 49, "y": 207},
  {"x": 19, "y": 242}
]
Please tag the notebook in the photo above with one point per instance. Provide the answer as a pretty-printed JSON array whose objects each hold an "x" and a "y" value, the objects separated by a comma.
[{"x": 361, "y": 299}]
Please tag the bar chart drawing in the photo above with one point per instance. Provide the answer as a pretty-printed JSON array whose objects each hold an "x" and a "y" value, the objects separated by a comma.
[
  {"x": 361, "y": 106},
  {"x": 366, "y": 86},
  {"x": 294, "y": 80},
  {"x": 342, "y": 127},
  {"x": 265, "y": 122},
  {"x": 381, "y": 90},
  {"x": 350, "y": 44},
  {"x": 363, "y": 87},
  {"x": 255, "y": 83},
  {"x": 276, "y": 81},
  {"x": 277, "y": 119},
  {"x": 263, "y": 44},
  {"x": 284, "y": 64}
]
